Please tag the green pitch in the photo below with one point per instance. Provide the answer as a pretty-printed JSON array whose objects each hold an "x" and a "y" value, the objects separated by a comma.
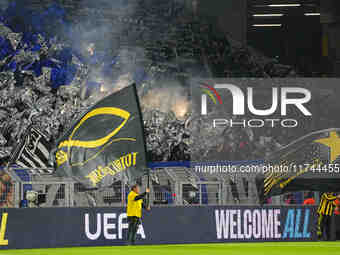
[{"x": 315, "y": 248}]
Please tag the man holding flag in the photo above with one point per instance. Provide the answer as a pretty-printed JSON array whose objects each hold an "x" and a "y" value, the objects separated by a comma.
[{"x": 134, "y": 211}]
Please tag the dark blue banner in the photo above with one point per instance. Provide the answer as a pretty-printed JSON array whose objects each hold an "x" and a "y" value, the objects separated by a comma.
[{"x": 65, "y": 227}]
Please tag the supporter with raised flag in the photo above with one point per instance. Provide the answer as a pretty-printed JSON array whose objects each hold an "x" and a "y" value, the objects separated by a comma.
[
  {"x": 134, "y": 211},
  {"x": 325, "y": 212}
]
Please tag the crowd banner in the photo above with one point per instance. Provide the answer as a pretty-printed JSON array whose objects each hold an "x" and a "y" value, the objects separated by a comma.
[{"x": 66, "y": 227}]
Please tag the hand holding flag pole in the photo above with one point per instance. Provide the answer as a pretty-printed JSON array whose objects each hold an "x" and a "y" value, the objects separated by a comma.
[{"x": 148, "y": 192}]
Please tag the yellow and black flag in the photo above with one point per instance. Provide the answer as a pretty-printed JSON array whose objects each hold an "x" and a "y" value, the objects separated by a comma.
[
  {"x": 106, "y": 141},
  {"x": 311, "y": 163}
]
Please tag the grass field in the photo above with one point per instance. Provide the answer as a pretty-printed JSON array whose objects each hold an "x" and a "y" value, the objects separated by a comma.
[{"x": 315, "y": 248}]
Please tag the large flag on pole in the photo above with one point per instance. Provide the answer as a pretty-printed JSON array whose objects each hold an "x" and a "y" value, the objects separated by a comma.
[
  {"x": 106, "y": 141},
  {"x": 311, "y": 163}
]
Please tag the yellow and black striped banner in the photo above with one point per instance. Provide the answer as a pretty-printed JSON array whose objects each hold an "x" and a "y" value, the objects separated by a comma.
[{"x": 310, "y": 163}]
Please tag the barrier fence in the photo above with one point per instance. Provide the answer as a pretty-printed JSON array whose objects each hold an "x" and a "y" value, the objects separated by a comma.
[
  {"x": 65, "y": 227},
  {"x": 170, "y": 186}
]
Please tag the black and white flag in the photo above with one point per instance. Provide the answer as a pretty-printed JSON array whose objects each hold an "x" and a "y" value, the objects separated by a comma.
[{"x": 33, "y": 152}]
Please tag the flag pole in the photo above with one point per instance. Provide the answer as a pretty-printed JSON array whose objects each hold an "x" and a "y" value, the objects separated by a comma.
[{"x": 148, "y": 186}]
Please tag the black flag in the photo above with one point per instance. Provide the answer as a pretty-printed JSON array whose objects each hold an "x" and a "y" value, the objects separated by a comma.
[
  {"x": 311, "y": 163},
  {"x": 105, "y": 142}
]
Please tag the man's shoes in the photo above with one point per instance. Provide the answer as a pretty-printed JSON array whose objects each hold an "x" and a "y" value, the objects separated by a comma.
[{"x": 319, "y": 234}]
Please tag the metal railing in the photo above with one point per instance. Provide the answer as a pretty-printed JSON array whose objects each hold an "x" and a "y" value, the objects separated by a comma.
[{"x": 168, "y": 188}]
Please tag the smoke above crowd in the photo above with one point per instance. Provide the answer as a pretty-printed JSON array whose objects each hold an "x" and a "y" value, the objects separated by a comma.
[{"x": 56, "y": 61}]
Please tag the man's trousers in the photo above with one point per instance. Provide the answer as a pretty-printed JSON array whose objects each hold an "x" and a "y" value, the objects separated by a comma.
[
  {"x": 133, "y": 228},
  {"x": 324, "y": 226}
]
